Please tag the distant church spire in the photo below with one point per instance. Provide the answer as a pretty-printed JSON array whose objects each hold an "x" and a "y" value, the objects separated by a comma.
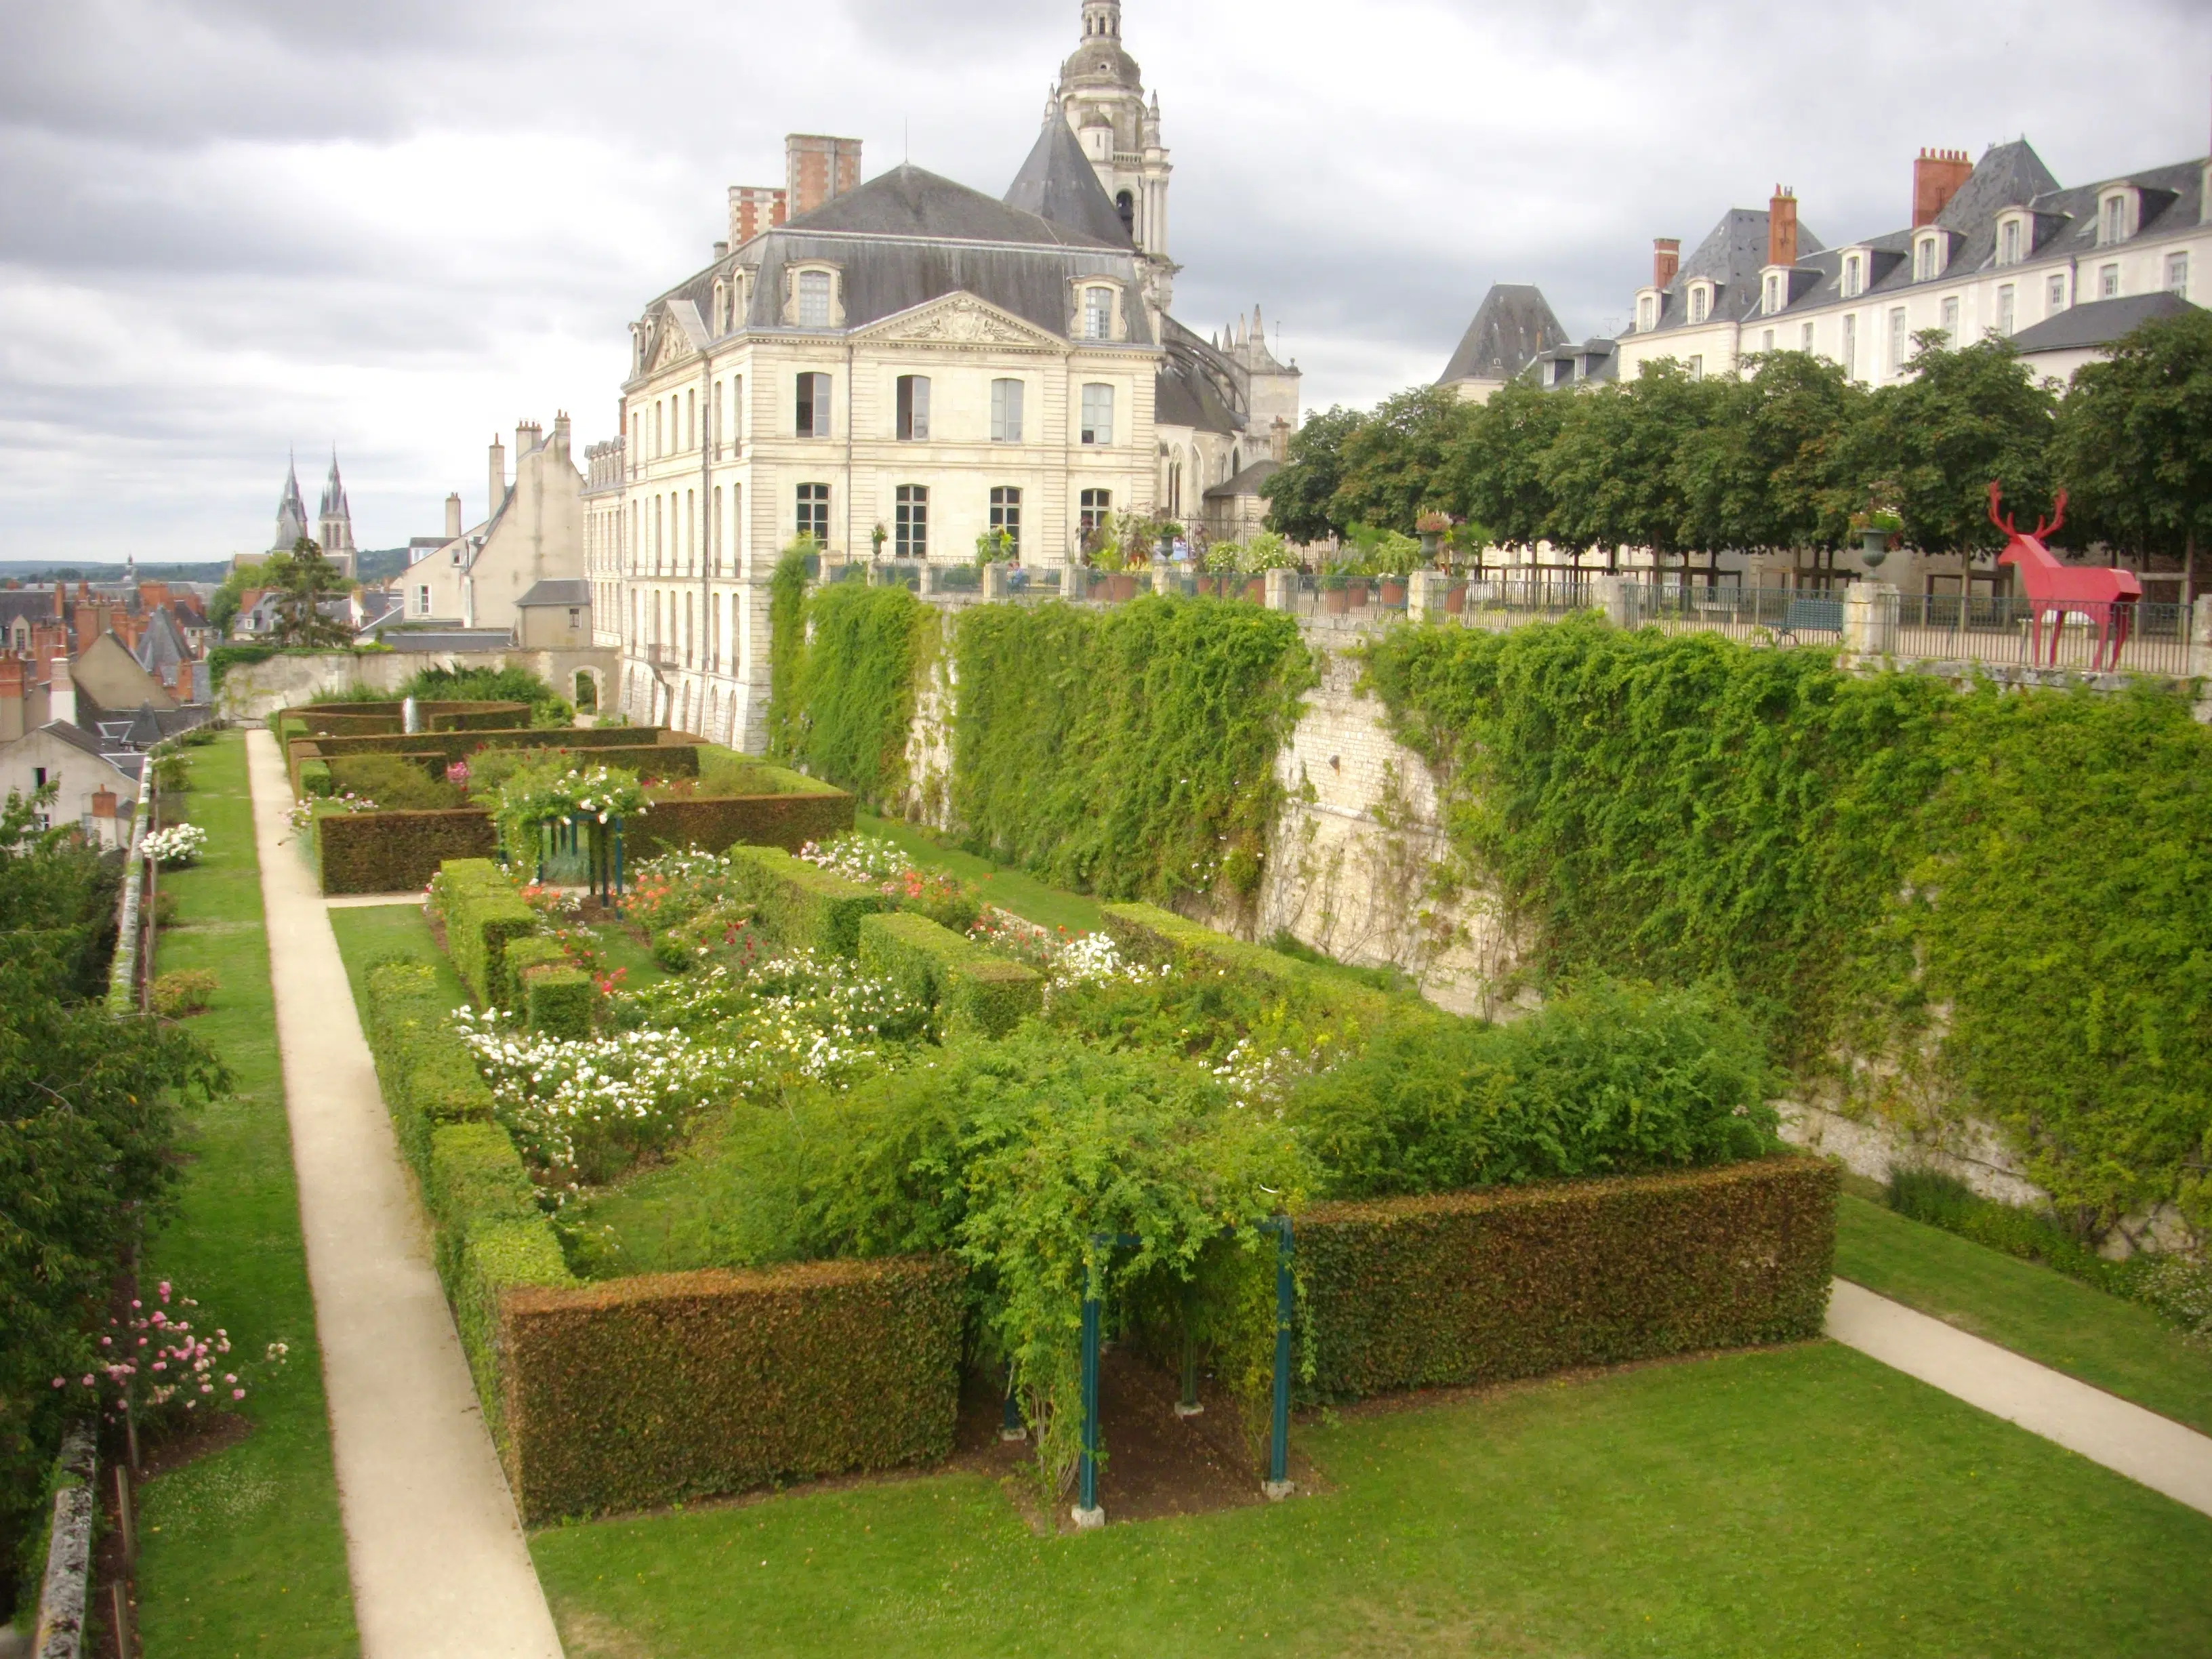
[
  {"x": 291, "y": 511},
  {"x": 336, "y": 526}
]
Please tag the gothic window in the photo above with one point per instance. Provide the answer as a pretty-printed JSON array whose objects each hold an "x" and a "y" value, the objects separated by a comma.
[
  {"x": 1093, "y": 509},
  {"x": 1097, "y": 314},
  {"x": 814, "y": 512},
  {"x": 813, "y": 407},
  {"x": 913, "y": 408},
  {"x": 814, "y": 299},
  {"x": 910, "y": 521},
  {"x": 1097, "y": 414},
  {"x": 1006, "y": 516},
  {"x": 1005, "y": 411}
]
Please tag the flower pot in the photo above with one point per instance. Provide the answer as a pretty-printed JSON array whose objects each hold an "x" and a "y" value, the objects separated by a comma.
[
  {"x": 1355, "y": 591},
  {"x": 1209, "y": 587},
  {"x": 1393, "y": 590},
  {"x": 1336, "y": 600},
  {"x": 1431, "y": 541},
  {"x": 1255, "y": 589},
  {"x": 1120, "y": 585},
  {"x": 1875, "y": 547},
  {"x": 1456, "y": 598}
]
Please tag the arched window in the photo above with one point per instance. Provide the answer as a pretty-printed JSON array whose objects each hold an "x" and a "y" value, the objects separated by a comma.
[{"x": 1126, "y": 205}]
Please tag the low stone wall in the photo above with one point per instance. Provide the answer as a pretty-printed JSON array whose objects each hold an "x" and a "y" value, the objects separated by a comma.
[{"x": 251, "y": 692}]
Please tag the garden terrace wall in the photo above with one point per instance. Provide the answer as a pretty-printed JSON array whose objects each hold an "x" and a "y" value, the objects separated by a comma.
[
  {"x": 646, "y": 1390},
  {"x": 396, "y": 852},
  {"x": 714, "y": 824},
  {"x": 1484, "y": 1287}
]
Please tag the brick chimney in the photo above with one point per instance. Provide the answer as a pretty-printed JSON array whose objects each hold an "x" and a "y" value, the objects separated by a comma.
[
  {"x": 14, "y": 698},
  {"x": 817, "y": 167},
  {"x": 103, "y": 803},
  {"x": 1936, "y": 177},
  {"x": 755, "y": 209},
  {"x": 1666, "y": 259},
  {"x": 1781, "y": 227}
]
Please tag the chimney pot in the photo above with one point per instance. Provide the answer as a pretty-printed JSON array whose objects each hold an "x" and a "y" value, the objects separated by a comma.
[
  {"x": 1666, "y": 259},
  {"x": 1937, "y": 176}
]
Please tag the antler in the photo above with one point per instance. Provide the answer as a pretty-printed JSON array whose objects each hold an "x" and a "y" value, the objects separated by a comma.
[
  {"x": 2057, "y": 518},
  {"x": 1997, "y": 496}
]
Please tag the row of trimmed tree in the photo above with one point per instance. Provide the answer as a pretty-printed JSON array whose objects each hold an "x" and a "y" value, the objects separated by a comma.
[{"x": 1786, "y": 458}]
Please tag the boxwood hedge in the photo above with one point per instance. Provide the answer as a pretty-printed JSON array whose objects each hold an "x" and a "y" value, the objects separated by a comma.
[
  {"x": 800, "y": 904},
  {"x": 972, "y": 990}
]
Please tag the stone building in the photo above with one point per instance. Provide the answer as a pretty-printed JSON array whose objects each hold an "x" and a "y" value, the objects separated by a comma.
[
  {"x": 902, "y": 367},
  {"x": 1513, "y": 326},
  {"x": 533, "y": 533},
  {"x": 332, "y": 529}
]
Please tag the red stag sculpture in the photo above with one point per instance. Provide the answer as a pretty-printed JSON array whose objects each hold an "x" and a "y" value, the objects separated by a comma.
[{"x": 2101, "y": 594}]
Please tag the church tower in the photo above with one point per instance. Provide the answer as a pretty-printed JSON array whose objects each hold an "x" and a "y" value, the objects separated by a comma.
[
  {"x": 336, "y": 521},
  {"x": 1101, "y": 95},
  {"x": 291, "y": 513}
]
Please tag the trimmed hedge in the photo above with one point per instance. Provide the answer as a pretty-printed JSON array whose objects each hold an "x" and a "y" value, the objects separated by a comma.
[
  {"x": 800, "y": 904},
  {"x": 1146, "y": 933},
  {"x": 396, "y": 852},
  {"x": 482, "y": 913},
  {"x": 300, "y": 745},
  {"x": 643, "y": 1391},
  {"x": 715, "y": 825},
  {"x": 1482, "y": 1287},
  {"x": 972, "y": 990},
  {"x": 428, "y": 1079},
  {"x": 556, "y": 998}
]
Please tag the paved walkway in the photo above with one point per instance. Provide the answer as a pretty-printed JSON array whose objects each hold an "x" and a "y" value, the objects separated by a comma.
[
  {"x": 437, "y": 1559},
  {"x": 2143, "y": 1446}
]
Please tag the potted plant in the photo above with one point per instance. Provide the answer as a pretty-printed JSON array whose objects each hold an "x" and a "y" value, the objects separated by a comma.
[
  {"x": 1878, "y": 526},
  {"x": 1393, "y": 558},
  {"x": 1432, "y": 527},
  {"x": 876, "y": 537},
  {"x": 1108, "y": 554},
  {"x": 1336, "y": 583},
  {"x": 1223, "y": 562},
  {"x": 1265, "y": 551}
]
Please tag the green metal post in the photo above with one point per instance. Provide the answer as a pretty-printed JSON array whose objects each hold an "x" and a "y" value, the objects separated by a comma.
[
  {"x": 1279, "y": 1437},
  {"x": 1090, "y": 1454},
  {"x": 1011, "y": 1426}
]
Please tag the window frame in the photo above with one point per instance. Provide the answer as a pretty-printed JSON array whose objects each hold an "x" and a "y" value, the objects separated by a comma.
[
  {"x": 812, "y": 394},
  {"x": 1008, "y": 398},
  {"x": 910, "y": 399},
  {"x": 1950, "y": 315},
  {"x": 2177, "y": 272},
  {"x": 2011, "y": 243},
  {"x": 812, "y": 504},
  {"x": 1005, "y": 515},
  {"x": 2108, "y": 281},
  {"x": 812, "y": 284},
  {"x": 1093, "y": 507},
  {"x": 910, "y": 521},
  {"x": 1097, "y": 309},
  {"x": 2008, "y": 320},
  {"x": 1090, "y": 432},
  {"x": 1900, "y": 340},
  {"x": 1701, "y": 304},
  {"x": 1854, "y": 278}
]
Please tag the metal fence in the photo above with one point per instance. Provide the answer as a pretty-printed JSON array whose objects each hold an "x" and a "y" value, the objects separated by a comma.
[{"x": 2088, "y": 636}]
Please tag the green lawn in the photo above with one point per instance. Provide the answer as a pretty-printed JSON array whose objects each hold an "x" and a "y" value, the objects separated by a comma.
[
  {"x": 241, "y": 1552},
  {"x": 367, "y": 934},
  {"x": 1802, "y": 1501},
  {"x": 1009, "y": 888},
  {"x": 2028, "y": 1307}
]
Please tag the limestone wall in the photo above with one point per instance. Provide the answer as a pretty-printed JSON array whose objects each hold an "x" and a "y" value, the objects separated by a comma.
[{"x": 252, "y": 691}]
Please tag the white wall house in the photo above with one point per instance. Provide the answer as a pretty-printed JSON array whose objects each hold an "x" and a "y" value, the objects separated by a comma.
[{"x": 534, "y": 532}]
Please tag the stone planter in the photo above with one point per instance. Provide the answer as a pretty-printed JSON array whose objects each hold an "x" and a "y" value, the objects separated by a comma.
[
  {"x": 1431, "y": 540},
  {"x": 1874, "y": 548}
]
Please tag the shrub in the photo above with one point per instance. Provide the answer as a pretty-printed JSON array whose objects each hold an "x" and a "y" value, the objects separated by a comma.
[
  {"x": 648, "y": 1391},
  {"x": 426, "y": 1075},
  {"x": 179, "y": 845},
  {"x": 855, "y": 682},
  {"x": 315, "y": 779},
  {"x": 396, "y": 782},
  {"x": 1611, "y": 1080},
  {"x": 396, "y": 852},
  {"x": 1481, "y": 1287},
  {"x": 1146, "y": 933},
  {"x": 788, "y": 820},
  {"x": 558, "y": 1001},
  {"x": 482, "y": 913},
  {"x": 183, "y": 992},
  {"x": 799, "y": 905},
  {"x": 973, "y": 991}
]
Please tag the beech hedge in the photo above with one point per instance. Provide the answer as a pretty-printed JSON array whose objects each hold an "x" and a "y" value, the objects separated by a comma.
[
  {"x": 800, "y": 904},
  {"x": 396, "y": 852},
  {"x": 715, "y": 825},
  {"x": 482, "y": 913},
  {"x": 972, "y": 990},
  {"x": 646, "y": 1390},
  {"x": 1486, "y": 1286},
  {"x": 1144, "y": 932}
]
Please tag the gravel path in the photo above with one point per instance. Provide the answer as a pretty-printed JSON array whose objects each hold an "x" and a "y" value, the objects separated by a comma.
[
  {"x": 2155, "y": 1450},
  {"x": 437, "y": 1559}
]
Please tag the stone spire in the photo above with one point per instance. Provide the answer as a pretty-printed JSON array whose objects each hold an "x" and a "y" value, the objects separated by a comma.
[{"x": 291, "y": 511}]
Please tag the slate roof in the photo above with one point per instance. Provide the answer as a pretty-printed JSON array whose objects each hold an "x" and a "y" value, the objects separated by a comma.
[
  {"x": 1731, "y": 256},
  {"x": 1513, "y": 324},
  {"x": 161, "y": 647},
  {"x": 1196, "y": 386},
  {"x": 1246, "y": 482},
  {"x": 558, "y": 591},
  {"x": 1058, "y": 185},
  {"x": 2100, "y": 322},
  {"x": 1596, "y": 360}
]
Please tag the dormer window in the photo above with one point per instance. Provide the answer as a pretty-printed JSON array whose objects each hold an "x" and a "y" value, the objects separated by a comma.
[
  {"x": 1853, "y": 277},
  {"x": 1928, "y": 259},
  {"x": 1772, "y": 300},
  {"x": 2115, "y": 218},
  {"x": 811, "y": 299},
  {"x": 1701, "y": 301},
  {"x": 1097, "y": 314},
  {"x": 2008, "y": 241},
  {"x": 1646, "y": 310}
]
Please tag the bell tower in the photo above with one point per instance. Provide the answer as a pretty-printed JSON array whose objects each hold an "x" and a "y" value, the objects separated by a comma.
[{"x": 1102, "y": 96}]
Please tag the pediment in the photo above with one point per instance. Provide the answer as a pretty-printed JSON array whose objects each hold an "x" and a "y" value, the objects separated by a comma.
[{"x": 960, "y": 319}]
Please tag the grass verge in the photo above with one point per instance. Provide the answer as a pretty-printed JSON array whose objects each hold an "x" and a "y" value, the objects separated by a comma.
[
  {"x": 1804, "y": 1501},
  {"x": 242, "y": 1552},
  {"x": 2032, "y": 1310}
]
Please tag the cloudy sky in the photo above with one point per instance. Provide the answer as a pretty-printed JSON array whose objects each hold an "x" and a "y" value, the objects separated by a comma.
[{"x": 232, "y": 226}]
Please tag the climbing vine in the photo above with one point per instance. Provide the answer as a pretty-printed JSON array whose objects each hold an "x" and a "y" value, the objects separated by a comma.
[
  {"x": 853, "y": 685},
  {"x": 1128, "y": 752},
  {"x": 787, "y": 615},
  {"x": 2014, "y": 890}
]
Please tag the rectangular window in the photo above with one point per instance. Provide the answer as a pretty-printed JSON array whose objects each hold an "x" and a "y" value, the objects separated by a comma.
[
  {"x": 1097, "y": 414},
  {"x": 1097, "y": 314},
  {"x": 2116, "y": 220},
  {"x": 814, "y": 512},
  {"x": 1851, "y": 278},
  {"x": 1850, "y": 348},
  {"x": 2177, "y": 274},
  {"x": 1005, "y": 411},
  {"x": 1644, "y": 315},
  {"x": 1806, "y": 344},
  {"x": 1699, "y": 299},
  {"x": 1923, "y": 260},
  {"x": 910, "y": 522},
  {"x": 1006, "y": 515},
  {"x": 423, "y": 601},
  {"x": 736, "y": 409},
  {"x": 2009, "y": 243},
  {"x": 2057, "y": 294},
  {"x": 1093, "y": 509},
  {"x": 814, "y": 299},
  {"x": 1773, "y": 301},
  {"x": 1951, "y": 319},
  {"x": 719, "y": 427},
  {"x": 2108, "y": 282},
  {"x": 1898, "y": 343},
  {"x": 690, "y": 420},
  {"x": 575, "y": 617},
  {"x": 813, "y": 412},
  {"x": 660, "y": 427},
  {"x": 1697, "y": 369},
  {"x": 1766, "y": 340},
  {"x": 913, "y": 408},
  {"x": 2005, "y": 310}
]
